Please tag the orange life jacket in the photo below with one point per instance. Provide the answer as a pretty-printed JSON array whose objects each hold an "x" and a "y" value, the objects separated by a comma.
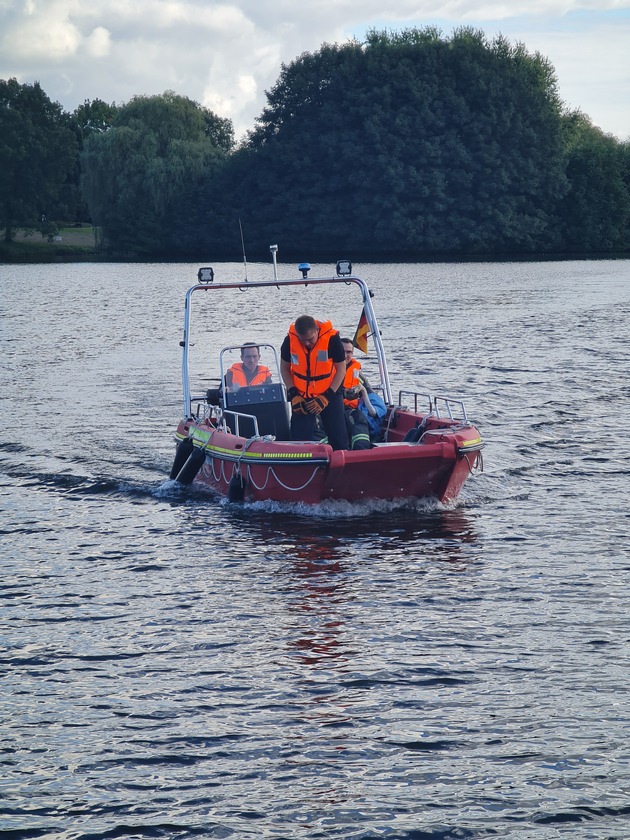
[
  {"x": 351, "y": 380},
  {"x": 312, "y": 370},
  {"x": 239, "y": 378}
]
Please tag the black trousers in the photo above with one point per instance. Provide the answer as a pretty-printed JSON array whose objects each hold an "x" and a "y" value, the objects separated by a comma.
[{"x": 333, "y": 420}]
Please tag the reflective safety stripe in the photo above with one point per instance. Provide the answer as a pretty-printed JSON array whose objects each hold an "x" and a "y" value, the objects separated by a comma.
[{"x": 360, "y": 437}]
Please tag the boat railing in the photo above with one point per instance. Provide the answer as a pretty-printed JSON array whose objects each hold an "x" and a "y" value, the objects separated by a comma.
[
  {"x": 238, "y": 416},
  {"x": 440, "y": 406},
  {"x": 448, "y": 404},
  {"x": 198, "y": 405},
  {"x": 417, "y": 397}
]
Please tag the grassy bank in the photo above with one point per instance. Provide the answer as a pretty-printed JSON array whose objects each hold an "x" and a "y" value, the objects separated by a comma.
[{"x": 71, "y": 245}]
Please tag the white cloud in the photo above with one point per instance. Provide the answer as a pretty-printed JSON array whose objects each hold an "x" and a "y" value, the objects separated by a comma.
[
  {"x": 226, "y": 54},
  {"x": 98, "y": 43},
  {"x": 39, "y": 33}
]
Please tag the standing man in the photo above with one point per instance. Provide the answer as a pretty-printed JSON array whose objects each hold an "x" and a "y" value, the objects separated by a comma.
[
  {"x": 313, "y": 367},
  {"x": 248, "y": 371}
]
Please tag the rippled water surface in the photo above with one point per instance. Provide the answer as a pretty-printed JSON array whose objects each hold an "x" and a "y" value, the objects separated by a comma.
[{"x": 176, "y": 666}]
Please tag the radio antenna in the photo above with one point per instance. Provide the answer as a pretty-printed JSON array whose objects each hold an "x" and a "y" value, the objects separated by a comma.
[{"x": 243, "y": 245}]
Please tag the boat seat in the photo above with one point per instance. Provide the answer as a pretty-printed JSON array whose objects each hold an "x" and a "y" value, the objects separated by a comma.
[{"x": 267, "y": 404}]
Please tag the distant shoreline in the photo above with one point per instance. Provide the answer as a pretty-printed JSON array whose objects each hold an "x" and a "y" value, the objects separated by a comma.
[{"x": 76, "y": 244}]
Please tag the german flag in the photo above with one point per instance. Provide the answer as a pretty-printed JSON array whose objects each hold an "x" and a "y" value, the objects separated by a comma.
[{"x": 361, "y": 334}]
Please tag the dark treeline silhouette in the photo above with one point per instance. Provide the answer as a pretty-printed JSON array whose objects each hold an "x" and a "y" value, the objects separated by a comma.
[{"x": 410, "y": 145}]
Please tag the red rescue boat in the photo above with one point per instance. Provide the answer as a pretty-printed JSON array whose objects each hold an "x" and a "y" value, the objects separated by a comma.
[{"x": 238, "y": 443}]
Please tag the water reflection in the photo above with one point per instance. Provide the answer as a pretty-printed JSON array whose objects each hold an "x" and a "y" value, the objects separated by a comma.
[
  {"x": 329, "y": 528},
  {"x": 439, "y": 535},
  {"x": 316, "y": 544},
  {"x": 314, "y": 570},
  {"x": 328, "y": 568},
  {"x": 320, "y": 597}
]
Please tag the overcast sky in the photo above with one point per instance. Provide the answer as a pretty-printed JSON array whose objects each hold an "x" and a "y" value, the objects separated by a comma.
[{"x": 224, "y": 55}]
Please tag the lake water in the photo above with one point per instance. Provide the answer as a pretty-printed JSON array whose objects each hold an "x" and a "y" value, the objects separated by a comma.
[{"x": 175, "y": 666}]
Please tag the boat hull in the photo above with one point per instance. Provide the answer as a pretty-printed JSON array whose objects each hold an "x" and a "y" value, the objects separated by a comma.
[{"x": 310, "y": 473}]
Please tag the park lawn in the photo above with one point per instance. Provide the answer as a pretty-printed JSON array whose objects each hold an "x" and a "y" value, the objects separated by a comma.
[
  {"x": 75, "y": 243},
  {"x": 69, "y": 236}
]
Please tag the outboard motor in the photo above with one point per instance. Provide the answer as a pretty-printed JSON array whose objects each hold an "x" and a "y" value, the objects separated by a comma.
[
  {"x": 192, "y": 466},
  {"x": 182, "y": 453},
  {"x": 236, "y": 488}
]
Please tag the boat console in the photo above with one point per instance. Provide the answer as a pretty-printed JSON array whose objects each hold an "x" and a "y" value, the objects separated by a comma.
[{"x": 266, "y": 403}]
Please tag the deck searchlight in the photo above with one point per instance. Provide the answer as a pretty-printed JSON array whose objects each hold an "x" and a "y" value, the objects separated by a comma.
[{"x": 205, "y": 275}]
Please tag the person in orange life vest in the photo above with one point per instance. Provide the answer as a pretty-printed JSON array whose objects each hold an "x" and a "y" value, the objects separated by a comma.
[
  {"x": 355, "y": 385},
  {"x": 248, "y": 371},
  {"x": 312, "y": 365},
  {"x": 351, "y": 382}
]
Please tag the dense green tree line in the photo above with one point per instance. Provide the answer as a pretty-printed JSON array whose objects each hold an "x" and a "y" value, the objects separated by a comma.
[{"x": 408, "y": 145}]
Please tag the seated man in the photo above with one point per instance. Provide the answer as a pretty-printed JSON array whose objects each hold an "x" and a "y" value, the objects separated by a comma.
[
  {"x": 355, "y": 385},
  {"x": 364, "y": 408},
  {"x": 248, "y": 371}
]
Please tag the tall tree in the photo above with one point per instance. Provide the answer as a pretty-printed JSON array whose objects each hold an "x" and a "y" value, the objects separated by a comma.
[
  {"x": 408, "y": 143},
  {"x": 158, "y": 149},
  {"x": 93, "y": 116},
  {"x": 37, "y": 152}
]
